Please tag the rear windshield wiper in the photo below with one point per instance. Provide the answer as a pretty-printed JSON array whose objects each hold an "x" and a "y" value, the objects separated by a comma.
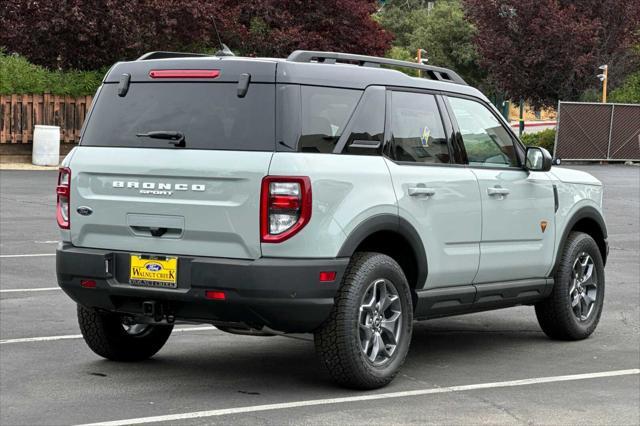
[{"x": 176, "y": 138}]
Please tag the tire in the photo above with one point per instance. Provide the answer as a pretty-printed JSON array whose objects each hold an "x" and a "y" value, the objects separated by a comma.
[
  {"x": 106, "y": 335},
  {"x": 557, "y": 315},
  {"x": 340, "y": 342}
]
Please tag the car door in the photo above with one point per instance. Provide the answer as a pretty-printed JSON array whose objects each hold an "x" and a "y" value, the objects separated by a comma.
[
  {"x": 439, "y": 198},
  {"x": 518, "y": 206}
]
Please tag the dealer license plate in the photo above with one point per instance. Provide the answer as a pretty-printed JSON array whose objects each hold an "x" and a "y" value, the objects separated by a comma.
[{"x": 153, "y": 271}]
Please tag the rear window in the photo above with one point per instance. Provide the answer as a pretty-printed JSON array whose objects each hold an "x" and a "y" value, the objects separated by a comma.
[
  {"x": 209, "y": 115},
  {"x": 325, "y": 112}
]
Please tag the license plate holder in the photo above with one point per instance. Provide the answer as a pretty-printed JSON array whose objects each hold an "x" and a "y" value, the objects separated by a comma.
[{"x": 153, "y": 271}]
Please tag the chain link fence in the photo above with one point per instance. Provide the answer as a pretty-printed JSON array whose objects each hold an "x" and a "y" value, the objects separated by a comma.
[{"x": 598, "y": 132}]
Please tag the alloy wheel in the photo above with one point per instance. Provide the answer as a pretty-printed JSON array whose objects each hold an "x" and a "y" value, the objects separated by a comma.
[
  {"x": 380, "y": 321},
  {"x": 584, "y": 287}
]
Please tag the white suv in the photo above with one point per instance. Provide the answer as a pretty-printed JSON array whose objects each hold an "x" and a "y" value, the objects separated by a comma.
[{"x": 320, "y": 193}]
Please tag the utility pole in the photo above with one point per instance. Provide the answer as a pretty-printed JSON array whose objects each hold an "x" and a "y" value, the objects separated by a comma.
[{"x": 603, "y": 78}]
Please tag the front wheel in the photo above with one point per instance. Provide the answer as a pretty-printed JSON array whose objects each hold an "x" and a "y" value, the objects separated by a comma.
[
  {"x": 573, "y": 309},
  {"x": 365, "y": 341},
  {"x": 108, "y": 336}
]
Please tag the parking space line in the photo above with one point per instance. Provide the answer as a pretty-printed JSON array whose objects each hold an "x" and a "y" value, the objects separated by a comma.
[
  {"x": 40, "y": 339},
  {"x": 79, "y": 336},
  {"x": 27, "y": 290},
  {"x": 6, "y": 256},
  {"x": 330, "y": 401}
]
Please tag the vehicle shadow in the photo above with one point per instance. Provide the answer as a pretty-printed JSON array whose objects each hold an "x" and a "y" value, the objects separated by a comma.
[{"x": 257, "y": 365}]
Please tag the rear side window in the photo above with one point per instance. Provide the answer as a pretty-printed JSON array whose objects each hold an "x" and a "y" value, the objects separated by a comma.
[
  {"x": 417, "y": 133},
  {"x": 209, "y": 115},
  {"x": 367, "y": 132},
  {"x": 325, "y": 112}
]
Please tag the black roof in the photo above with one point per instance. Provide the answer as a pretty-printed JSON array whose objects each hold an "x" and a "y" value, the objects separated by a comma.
[{"x": 302, "y": 67}]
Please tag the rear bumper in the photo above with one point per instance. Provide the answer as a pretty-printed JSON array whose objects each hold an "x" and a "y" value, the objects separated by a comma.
[{"x": 281, "y": 293}]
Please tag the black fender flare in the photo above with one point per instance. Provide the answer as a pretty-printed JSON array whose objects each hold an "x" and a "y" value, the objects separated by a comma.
[
  {"x": 586, "y": 212},
  {"x": 393, "y": 223}
]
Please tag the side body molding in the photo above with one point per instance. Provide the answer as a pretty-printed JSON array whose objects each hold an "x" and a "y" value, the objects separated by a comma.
[{"x": 393, "y": 223}]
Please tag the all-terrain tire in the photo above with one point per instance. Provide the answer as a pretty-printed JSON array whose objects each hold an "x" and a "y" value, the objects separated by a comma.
[
  {"x": 555, "y": 314},
  {"x": 105, "y": 334},
  {"x": 338, "y": 341}
]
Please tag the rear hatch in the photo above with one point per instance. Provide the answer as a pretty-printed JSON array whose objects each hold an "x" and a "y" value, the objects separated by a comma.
[{"x": 147, "y": 195}]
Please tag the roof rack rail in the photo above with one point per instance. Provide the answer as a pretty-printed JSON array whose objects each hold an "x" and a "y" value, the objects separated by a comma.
[
  {"x": 164, "y": 55},
  {"x": 432, "y": 72}
]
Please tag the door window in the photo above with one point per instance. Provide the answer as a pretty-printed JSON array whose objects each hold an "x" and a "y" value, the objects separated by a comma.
[
  {"x": 485, "y": 139},
  {"x": 417, "y": 134}
]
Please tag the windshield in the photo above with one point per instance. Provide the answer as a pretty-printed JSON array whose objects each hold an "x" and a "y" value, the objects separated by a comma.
[{"x": 209, "y": 115}]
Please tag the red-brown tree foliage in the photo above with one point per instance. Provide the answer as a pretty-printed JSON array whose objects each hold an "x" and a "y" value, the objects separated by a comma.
[
  {"x": 88, "y": 34},
  {"x": 545, "y": 50}
]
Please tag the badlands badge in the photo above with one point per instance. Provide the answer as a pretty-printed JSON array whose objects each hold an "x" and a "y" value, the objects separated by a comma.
[{"x": 543, "y": 225}]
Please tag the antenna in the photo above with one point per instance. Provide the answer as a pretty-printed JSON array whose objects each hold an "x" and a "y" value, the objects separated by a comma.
[{"x": 224, "y": 49}]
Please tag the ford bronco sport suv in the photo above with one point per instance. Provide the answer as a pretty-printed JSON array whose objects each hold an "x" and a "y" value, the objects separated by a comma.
[{"x": 325, "y": 193}]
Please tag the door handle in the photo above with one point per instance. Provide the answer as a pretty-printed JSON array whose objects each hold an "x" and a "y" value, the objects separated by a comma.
[
  {"x": 497, "y": 190},
  {"x": 416, "y": 191}
]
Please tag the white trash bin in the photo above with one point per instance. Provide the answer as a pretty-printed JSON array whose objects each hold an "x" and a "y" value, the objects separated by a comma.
[{"x": 46, "y": 145}]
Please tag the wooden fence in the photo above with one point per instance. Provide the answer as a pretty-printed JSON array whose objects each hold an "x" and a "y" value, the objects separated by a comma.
[{"x": 20, "y": 113}]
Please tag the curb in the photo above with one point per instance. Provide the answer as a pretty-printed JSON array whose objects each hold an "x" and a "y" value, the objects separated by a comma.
[{"x": 26, "y": 166}]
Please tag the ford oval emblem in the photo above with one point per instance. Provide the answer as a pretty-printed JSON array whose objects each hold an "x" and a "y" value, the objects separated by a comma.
[
  {"x": 153, "y": 267},
  {"x": 84, "y": 210}
]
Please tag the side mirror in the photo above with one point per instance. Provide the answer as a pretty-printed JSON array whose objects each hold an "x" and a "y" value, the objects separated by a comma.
[{"x": 537, "y": 159}]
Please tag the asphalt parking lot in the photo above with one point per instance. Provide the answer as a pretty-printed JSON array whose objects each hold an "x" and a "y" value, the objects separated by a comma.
[{"x": 204, "y": 376}]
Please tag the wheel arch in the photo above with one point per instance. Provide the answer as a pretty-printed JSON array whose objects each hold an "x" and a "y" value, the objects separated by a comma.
[
  {"x": 394, "y": 236},
  {"x": 590, "y": 221}
]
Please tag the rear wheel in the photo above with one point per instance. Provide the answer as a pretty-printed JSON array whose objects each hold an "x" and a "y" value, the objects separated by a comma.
[
  {"x": 110, "y": 337},
  {"x": 365, "y": 341},
  {"x": 573, "y": 309}
]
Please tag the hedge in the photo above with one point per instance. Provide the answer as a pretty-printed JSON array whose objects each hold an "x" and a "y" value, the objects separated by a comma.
[
  {"x": 629, "y": 92},
  {"x": 19, "y": 76},
  {"x": 545, "y": 139}
]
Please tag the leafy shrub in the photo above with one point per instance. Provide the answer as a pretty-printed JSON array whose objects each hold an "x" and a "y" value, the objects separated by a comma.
[
  {"x": 21, "y": 76},
  {"x": 591, "y": 95},
  {"x": 629, "y": 92},
  {"x": 545, "y": 139}
]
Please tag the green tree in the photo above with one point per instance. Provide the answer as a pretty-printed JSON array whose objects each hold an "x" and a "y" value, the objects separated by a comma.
[
  {"x": 448, "y": 38},
  {"x": 399, "y": 17},
  {"x": 442, "y": 30}
]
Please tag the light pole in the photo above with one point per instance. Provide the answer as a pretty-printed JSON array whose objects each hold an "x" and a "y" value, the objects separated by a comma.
[
  {"x": 603, "y": 78},
  {"x": 420, "y": 60}
]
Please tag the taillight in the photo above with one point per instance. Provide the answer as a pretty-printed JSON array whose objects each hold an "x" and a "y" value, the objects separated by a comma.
[
  {"x": 215, "y": 295},
  {"x": 88, "y": 284},
  {"x": 63, "y": 191},
  {"x": 285, "y": 207},
  {"x": 327, "y": 276}
]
